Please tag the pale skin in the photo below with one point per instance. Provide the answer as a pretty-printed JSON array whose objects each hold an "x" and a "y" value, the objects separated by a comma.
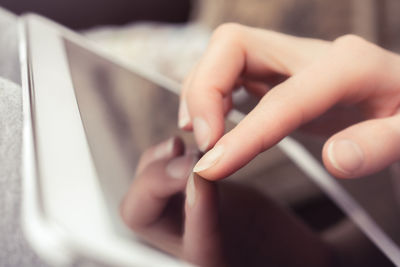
[{"x": 348, "y": 76}]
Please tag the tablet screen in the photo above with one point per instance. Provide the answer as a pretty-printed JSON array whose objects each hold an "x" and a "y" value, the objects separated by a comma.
[{"x": 123, "y": 114}]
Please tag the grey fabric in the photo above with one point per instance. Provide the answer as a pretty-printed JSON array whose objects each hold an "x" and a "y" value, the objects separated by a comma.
[
  {"x": 14, "y": 250},
  {"x": 9, "y": 63}
]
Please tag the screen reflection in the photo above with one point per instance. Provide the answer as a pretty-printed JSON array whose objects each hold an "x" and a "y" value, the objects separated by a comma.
[{"x": 130, "y": 124}]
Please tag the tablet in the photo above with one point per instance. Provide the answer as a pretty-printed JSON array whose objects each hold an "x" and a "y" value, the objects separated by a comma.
[
  {"x": 88, "y": 118},
  {"x": 82, "y": 146}
]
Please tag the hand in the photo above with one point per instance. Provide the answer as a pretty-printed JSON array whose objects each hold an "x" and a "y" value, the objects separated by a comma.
[
  {"x": 222, "y": 224},
  {"x": 323, "y": 78}
]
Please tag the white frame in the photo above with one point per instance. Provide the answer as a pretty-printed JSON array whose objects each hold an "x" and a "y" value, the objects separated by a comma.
[
  {"x": 43, "y": 229},
  {"x": 60, "y": 230}
]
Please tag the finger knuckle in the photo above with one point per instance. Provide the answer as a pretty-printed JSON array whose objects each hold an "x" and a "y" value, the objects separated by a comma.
[
  {"x": 228, "y": 31},
  {"x": 357, "y": 55},
  {"x": 351, "y": 47},
  {"x": 349, "y": 41}
]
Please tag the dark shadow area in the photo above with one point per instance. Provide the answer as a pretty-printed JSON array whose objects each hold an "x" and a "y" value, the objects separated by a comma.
[{"x": 84, "y": 14}]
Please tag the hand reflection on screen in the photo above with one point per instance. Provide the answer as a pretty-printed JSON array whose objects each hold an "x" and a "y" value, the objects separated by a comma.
[{"x": 209, "y": 223}]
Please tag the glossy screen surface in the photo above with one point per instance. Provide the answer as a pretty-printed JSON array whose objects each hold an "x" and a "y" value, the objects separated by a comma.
[{"x": 123, "y": 114}]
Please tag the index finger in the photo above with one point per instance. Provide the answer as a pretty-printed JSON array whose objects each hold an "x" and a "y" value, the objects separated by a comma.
[
  {"x": 341, "y": 76},
  {"x": 236, "y": 51}
]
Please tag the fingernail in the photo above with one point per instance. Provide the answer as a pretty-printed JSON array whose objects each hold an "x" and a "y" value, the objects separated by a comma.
[
  {"x": 209, "y": 159},
  {"x": 164, "y": 149},
  {"x": 183, "y": 117},
  {"x": 201, "y": 133},
  {"x": 180, "y": 168},
  {"x": 190, "y": 191},
  {"x": 345, "y": 155}
]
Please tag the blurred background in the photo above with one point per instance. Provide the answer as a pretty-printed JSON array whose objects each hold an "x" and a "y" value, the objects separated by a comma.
[{"x": 376, "y": 20}]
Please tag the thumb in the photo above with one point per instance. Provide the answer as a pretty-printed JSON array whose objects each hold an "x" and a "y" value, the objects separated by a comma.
[{"x": 364, "y": 148}]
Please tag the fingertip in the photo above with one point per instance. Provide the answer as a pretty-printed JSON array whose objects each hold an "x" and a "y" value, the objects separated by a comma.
[
  {"x": 206, "y": 109},
  {"x": 220, "y": 162},
  {"x": 233, "y": 151},
  {"x": 210, "y": 159},
  {"x": 343, "y": 157},
  {"x": 202, "y": 133}
]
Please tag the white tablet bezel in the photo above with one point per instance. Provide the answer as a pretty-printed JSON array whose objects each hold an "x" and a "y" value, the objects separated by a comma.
[
  {"x": 58, "y": 235},
  {"x": 58, "y": 166}
]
